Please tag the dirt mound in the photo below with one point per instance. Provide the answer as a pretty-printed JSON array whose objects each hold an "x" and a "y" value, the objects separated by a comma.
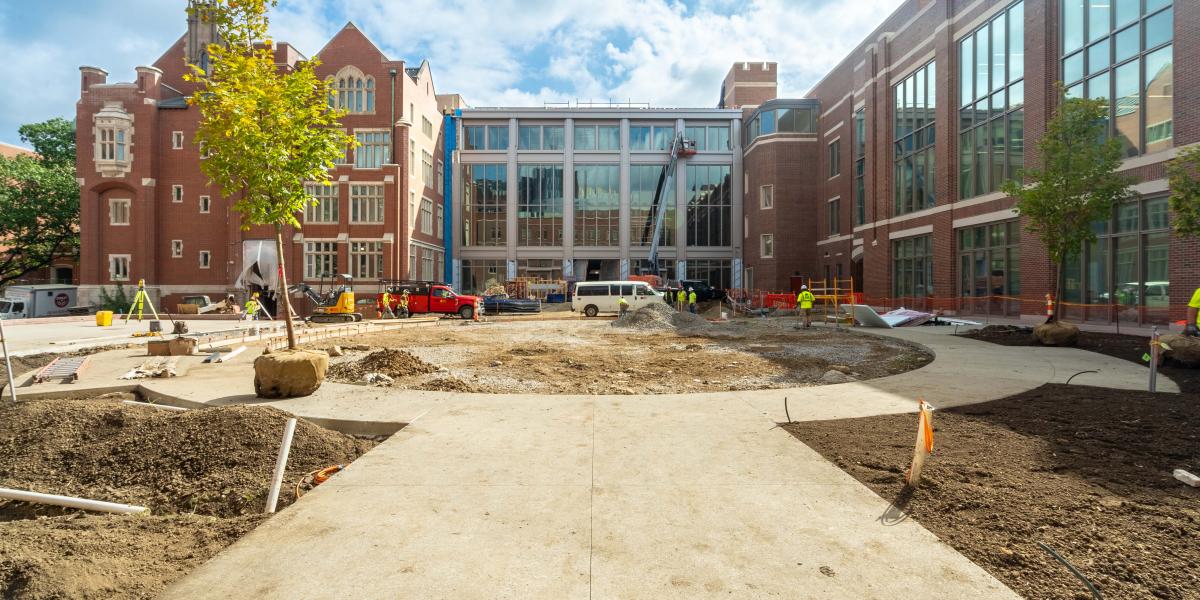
[
  {"x": 212, "y": 461},
  {"x": 534, "y": 349},
  {"x": 686, "y": 320},
  {"x": 653, "y": 316},
  {"x": 104, "y": 556},
  {"x": 390, "y": 362},
  {"x": 447, "y": 384}
]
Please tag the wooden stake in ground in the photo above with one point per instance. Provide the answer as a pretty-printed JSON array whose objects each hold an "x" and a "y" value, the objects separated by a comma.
[
  {"x": 12, "y": 388},
  {"x": 924, "y": 446}
]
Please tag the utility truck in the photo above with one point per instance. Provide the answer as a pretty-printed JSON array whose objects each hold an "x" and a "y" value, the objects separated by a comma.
[
  {"x": 32, "y": 301},
  {"x": 431, "y": 297}
]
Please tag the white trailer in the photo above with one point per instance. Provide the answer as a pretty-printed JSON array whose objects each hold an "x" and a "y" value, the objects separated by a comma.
[{"x": 30, "y": 301}]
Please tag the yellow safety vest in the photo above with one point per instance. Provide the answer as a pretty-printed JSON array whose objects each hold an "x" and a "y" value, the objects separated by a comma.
[
  {"x": 680, "y": 296},
  {"x": 805, "y": 299},
  {"x": 622, "y": 301},
  {"x": 387, "y": 299},
  {"x": 691, "y": 297}
]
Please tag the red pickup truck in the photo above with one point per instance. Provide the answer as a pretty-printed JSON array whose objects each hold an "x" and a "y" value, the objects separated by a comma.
[{"x": 430, "y": 297}]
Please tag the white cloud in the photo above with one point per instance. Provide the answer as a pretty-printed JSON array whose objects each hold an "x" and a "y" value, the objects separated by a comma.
[{"x": 493, "y": 52}]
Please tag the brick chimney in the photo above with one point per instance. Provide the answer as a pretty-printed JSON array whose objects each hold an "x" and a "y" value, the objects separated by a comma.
[{"x": 749, "y": 84}]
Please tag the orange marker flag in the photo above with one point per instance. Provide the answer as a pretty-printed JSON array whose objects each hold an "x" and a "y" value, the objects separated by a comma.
[{"x": 924, "y": 445}]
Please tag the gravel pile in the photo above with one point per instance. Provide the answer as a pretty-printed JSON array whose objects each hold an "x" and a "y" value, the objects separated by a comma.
[
  {"x": 393, "y": 363},
  {"x": 652, "y": 317},
  {"x": 447, "y": 384}
]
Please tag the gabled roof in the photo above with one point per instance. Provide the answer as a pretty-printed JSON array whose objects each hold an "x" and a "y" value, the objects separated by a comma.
[{"x": 350, "y": 29}]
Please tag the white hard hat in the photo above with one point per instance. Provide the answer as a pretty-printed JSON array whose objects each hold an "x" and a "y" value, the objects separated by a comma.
[
  {"x": 804, "y": 287},
  {"x": 691, "y": 289}
]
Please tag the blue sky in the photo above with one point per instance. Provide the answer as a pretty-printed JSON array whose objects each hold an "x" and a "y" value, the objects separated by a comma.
[{"x": 493, "y": 52}]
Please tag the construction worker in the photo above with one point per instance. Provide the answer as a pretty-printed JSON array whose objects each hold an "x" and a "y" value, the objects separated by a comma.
[
  {"x": 691, "y": 300},
  {"x": 385, "y": 305},
  {"x": 804, "y": 301},
  {"x": 680, "y": 299},
  {"x": 402, "y": 306},
  {"x": 622, "y": 306},
  {"x": 1193, "y": 313},
  {"x": 252, "y": 307}
]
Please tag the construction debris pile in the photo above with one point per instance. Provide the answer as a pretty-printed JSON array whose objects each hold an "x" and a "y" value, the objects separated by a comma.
[
  {"x": 448, "y": 384},
  {"x": 657, "y": 316},
  {"x": 391, "y": 363}
]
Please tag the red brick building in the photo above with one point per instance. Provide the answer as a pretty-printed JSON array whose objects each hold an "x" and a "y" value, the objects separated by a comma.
[
  {"x": 896, "y": 179},
  {"x": 148, "y": 212}
]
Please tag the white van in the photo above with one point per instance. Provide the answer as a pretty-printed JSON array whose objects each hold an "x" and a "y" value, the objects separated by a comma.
[{"x": 595, "y": 297}]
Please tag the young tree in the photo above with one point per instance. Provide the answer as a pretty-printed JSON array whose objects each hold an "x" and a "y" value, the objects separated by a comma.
[
  {"x": 267, "y": 128},
  {"x": 1183, "y": 173},
  {"x": 1075, "y": 185},
  {"x": 39, "y": 200}
]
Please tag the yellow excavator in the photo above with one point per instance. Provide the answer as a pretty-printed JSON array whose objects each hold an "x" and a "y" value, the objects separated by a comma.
[{"x": 336, "y": 306}]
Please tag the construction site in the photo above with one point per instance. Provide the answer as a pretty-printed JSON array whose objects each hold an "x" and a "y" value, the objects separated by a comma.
[{"x": 772, "y": 347}]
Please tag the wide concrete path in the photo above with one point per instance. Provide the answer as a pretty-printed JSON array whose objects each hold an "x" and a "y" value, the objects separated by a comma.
[{"x": 597, "y": 498}]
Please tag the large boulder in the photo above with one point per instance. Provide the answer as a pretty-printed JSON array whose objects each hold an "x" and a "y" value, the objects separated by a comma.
[
  {"x": 289, "y": 373},
  {"x": 1057, "y": 333},
  {"x": 1182, "y": 348}
]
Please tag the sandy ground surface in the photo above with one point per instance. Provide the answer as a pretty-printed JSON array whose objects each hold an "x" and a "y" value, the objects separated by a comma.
[
  {"x": 594, "y": 357},
  {"x": 203, "y": 473}
]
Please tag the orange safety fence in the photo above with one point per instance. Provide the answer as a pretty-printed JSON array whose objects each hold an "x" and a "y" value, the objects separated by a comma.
[{"x": 973, "y": 307}]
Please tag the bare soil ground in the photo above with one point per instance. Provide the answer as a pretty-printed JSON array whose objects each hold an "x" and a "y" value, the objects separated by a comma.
[
  {"x": 1087, "y": 471},
  {"x": 591, "y": 356},
  {"x": 203, "y": 473}
]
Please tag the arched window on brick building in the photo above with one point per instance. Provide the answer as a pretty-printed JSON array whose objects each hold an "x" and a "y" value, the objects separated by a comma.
[{"x": 352, "y": 91}]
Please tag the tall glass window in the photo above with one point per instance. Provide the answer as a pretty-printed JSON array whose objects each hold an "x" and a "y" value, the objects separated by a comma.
[
  {"x": 1123, "y": 274},
  {"x": 914, "y": 136},
  {"x": 366, "y": 203},
  {"x": 798, "y": 119},
  {"x": 715, "y": 271},
  {"x": 497, "y": 137},
  {"x": 710, "y": 138},
  {"x": 643, "y": 182},
  {"x": 990, "y": 267},
  {"x": 597, "y": 137},
  {"x": 374, "y": 149},
  {"x": 485, "y": 204},
  {"x": 710, "y": 205},
  {"x": 540, "y": 205},
  {"x": 324, "y": 209},
  {"x": 860, "y": 166},
  {"x": 597, "y": 205},
  {"x": 912, "y": 267},
  {"x": 540, "y": 137},
  {"x": 991, "y": 103},
  {"x": 1127, "y": 61},
  {"x": 651, "y": 137}
]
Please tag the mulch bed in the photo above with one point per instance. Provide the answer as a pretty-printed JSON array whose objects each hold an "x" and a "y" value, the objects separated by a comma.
[
  {"x": 1123, "y": 346},
  {"x": 1086, "y": 471}
]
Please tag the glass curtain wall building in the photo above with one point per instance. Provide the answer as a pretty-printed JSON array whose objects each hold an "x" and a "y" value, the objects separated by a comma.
[{"x": 570, "y": 193}]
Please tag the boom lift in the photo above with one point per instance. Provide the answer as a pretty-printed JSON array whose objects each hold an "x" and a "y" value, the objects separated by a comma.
[
  {"x": 681, "y": 147},
  {"x": 337, "y": 306}
]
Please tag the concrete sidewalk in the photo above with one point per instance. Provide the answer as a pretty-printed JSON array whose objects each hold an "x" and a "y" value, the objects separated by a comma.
[{"x": 598, "y": 498}]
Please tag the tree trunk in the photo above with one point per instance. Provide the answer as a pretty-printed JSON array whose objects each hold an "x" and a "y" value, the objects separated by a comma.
[
  {"x": 283, "y": 287},
  {"x": 1060, "y": 285}
]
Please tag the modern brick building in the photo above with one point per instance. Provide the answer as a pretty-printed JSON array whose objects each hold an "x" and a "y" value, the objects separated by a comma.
[
  {"x": 890, "y": 166},
  {"x": 149, "y": 213},
  {"x": 567, "y": 193}
]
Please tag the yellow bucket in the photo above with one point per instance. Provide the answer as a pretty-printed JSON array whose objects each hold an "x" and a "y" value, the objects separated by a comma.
[{"x": 104, "y": 318}]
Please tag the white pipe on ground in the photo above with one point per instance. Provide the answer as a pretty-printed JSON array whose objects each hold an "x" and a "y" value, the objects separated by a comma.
[
  {"x": 158, "y": 406},
  {"x": 280, "y": 465},
  {"x": 12, "y": 387},
  {"x": 72, "y": 502}
]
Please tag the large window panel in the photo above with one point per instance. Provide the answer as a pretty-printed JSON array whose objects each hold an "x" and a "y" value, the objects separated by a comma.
[
  {"x": 540, "y": 205},
  {"x": 992, "y": 99},
  {"x": 912, "y": 267},
  {"x": 1127, "y": 62},
  {"x": 710, "y": 205},
  {"x": 485, "y": 204},
  {"x": 643, "y": 183},
  {"x": 914, "y": 99},
  {"x": 597, "y": 205},
  {"x": 860, "y": 164}
]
